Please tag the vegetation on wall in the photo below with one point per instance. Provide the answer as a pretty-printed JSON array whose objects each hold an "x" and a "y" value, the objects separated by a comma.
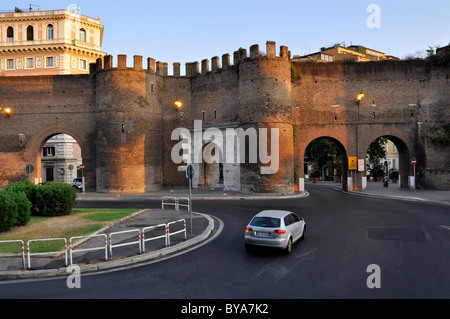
[
  {"x": 295, "y": 76},
  {"x": 439, "y": 134}
]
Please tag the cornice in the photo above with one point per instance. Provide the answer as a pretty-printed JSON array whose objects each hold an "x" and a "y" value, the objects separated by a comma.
[{"x": 53, "y": 48}]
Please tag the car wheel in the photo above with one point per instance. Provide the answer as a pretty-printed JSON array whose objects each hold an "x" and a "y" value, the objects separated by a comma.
[
  {"x": 303, "y": 233},
  {"x": 288, "y": 248}
]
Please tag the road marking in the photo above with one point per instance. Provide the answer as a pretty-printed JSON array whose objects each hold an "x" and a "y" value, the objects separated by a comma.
[{"x": 279, "y": 271}]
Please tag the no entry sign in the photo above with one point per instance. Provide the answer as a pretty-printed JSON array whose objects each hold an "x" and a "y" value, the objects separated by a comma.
[
  {"x": 413, "y": 161},
  {"x": 81, "y": 166}
]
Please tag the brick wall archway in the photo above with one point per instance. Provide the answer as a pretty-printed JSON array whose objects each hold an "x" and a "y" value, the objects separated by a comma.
[
  {"x": 300, "y": 151},
  {"x": 35, "y": 144}
]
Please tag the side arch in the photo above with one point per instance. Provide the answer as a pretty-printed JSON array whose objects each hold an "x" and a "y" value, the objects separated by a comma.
[
  {"x": 34, "y": 146},
  {"x": 403, "y": 153}
]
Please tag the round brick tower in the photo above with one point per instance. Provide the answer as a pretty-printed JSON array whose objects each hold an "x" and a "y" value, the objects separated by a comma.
[
  {"x": 122, "y": 126},
  {"x": 265, "y": 106}
]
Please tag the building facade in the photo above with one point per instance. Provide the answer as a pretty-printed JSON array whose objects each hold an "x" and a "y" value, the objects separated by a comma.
[
  {"x": 48, "y": 42},
  {"x": 61, "y": 158},
  {"x": 338, "y": 52}
]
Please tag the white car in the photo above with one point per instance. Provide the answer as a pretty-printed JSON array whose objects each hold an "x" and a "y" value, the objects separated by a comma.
[{"x": 274, "y": 228}]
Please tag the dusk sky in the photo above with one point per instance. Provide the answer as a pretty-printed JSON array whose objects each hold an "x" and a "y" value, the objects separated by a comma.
[{"x": 185, "y": 31}]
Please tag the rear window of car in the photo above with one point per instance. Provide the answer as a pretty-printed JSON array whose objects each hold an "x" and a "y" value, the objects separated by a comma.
[{"x": 265, "y": 222}]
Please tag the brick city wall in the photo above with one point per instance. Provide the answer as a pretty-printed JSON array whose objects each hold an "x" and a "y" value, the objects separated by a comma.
[{"x": 123, "y": 116}]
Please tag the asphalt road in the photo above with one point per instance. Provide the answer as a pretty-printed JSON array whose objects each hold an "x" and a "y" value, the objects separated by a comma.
[{"x": 407, "y": 241}]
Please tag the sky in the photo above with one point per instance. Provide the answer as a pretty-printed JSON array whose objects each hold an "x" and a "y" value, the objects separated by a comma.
[{"x": 186, "y": 31}]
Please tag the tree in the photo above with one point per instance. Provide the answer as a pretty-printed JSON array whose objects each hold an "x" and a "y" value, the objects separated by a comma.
[{"x": 376, "y": 152}]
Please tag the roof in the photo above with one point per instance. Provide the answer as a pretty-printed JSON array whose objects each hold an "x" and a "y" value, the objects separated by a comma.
[{"x": 273, "y": 213}]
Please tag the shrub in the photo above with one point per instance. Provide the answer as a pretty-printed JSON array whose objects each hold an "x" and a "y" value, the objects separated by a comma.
[
  {"x": 14, "y": 209},
  {"x": 393, "y": 173},
  {"x": 29, "y": 189},
  {"x": 55, "y": 199}
]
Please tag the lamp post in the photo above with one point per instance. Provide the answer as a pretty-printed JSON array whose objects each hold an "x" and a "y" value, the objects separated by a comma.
[{"x": 359, "y": 98}]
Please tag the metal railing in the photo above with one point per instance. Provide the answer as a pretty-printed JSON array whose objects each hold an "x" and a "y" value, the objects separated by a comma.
[
  {"x": 45, "y": 253},
  {"x": 175, "y": 201},
  {"x": 22, "y": 254},
  {"x": 71, "y": 250},
  {"x": 139, "y": 242}
]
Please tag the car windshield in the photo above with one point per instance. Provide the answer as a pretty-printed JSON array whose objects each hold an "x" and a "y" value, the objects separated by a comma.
[{"x": 265, "y": 222}]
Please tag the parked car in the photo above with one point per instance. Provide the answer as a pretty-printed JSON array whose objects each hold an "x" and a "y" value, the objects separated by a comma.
[
  {"x": 274, "y": 228},
  {"x": 78, "y": 183}
]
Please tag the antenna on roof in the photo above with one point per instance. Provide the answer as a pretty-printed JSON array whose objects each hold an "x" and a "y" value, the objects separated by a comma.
[{"x": 34, "y": 5}]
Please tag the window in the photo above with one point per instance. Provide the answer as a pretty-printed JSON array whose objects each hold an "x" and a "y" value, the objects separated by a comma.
[
  {"x": 10, "y": 64},
  {"x": 82, "y": 35},
  {"x": 30, "y": 33},
  {"x": 83, "y": 64},
  {"x": 50, "y": 32},
  {"x": 10, "y": 34},
  {"x": 50, "y": 61},
  {"x": 48, "y": 151},
  {"x": 30, "y": 63}
]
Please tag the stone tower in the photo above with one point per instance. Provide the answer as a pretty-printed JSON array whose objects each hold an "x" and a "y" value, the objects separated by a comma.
[{"x": 265, "y": 104}]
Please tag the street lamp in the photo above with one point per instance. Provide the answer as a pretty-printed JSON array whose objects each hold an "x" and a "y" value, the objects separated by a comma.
[
  {"x": 178, "y": 104},
  {"x": 359, "y": 97},
  {"x": 8, "y": 111}
]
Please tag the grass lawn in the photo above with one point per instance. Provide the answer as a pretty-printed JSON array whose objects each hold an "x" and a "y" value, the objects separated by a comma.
[{"x": 79, "y": 223}]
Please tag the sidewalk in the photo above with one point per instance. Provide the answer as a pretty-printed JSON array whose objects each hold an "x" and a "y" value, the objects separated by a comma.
[
  {"x": 203, "y": 227},
  {"x": 395, "y": 192},
  {"x": 196, "y": 193}
]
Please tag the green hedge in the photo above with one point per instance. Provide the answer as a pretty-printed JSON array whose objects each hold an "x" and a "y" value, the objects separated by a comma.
[
  {"x": 30, "y": 191},
  {"x": 14, "y": 209},
  {"x": 21, "y": 200},
  {"x": 55, "y": 199}
]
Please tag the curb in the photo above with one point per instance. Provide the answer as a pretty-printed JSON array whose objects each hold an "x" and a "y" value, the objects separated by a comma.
[
  {"x": 199, "y": 197},
  {"x": 393, "y": 197},
  {"x": 107, "y": 265}
]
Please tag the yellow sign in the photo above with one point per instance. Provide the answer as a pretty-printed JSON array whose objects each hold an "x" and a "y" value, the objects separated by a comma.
[{"x": 352, "y": 163}]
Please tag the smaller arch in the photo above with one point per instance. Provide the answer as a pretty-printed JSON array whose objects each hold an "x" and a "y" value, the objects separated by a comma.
[
  {"x": 403, "y": 160},
  {"x": 35, "y": 145}
]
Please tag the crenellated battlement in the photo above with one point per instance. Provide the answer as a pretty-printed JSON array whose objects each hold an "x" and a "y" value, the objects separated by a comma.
[{"x": 192, "y": 68}]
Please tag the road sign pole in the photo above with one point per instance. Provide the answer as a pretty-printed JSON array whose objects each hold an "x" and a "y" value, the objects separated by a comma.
[
  {"x": 190, "y": 174},
  {"x": 190, "y": 201},
  {"x": 414, "y": 180}
]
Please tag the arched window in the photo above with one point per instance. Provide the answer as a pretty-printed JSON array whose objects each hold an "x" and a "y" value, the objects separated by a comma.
[
  {"x": 50, "y": 32},
  {"x": 30, "y": 33},
  {"x": 10, "y": 34},
  {"x": 82, "y": 35}
]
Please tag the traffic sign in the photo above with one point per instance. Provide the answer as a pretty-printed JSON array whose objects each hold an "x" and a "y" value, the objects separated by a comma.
[
  {"x": 189, "y": 172},
  {"x": 29, "y": 169},
  {"x": 413, "y": 161},
  {"x": 82, "y": 166}
]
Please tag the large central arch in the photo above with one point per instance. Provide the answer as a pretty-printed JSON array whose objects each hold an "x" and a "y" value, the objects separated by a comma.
[{"x": 301, "y": 155}]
